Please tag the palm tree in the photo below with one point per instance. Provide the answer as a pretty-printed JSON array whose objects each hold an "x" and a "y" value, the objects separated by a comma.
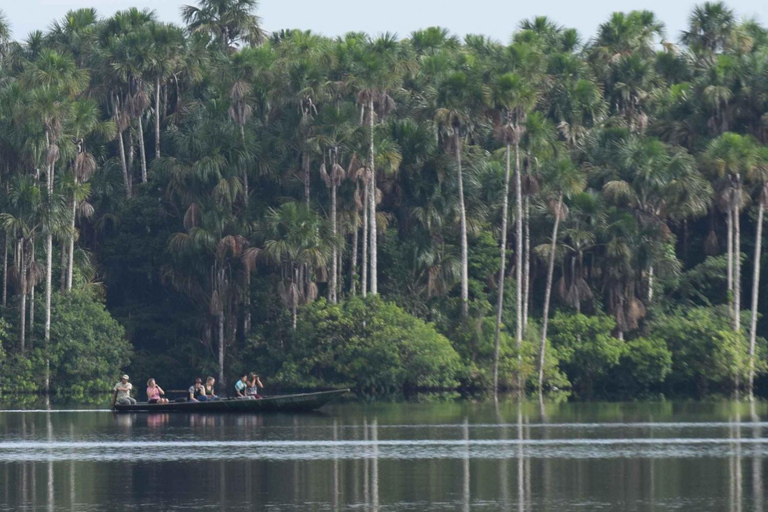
[
  {"x": 565, "y": 179},
  {"x": 513, "y": 99},
  {"x": 459, "y": 96},
  {"x": 731, "y": 156},
  {"x": 167, "y": 52},
  {"x": 759, "y": 176},
  {"x": 295, "y": 239},
  {"x": 710, "y": 28},
  {"x": 228, "y": 22}
]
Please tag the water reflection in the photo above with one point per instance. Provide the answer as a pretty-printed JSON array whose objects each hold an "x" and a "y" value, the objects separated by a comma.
[{"x": 507, "y": 456}]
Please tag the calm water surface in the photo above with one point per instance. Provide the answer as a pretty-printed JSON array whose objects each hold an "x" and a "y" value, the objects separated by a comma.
[{"x": 423, "y": 457}]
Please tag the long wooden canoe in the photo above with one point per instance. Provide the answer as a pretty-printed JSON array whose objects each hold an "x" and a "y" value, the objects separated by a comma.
[{"x": 299, "y": 402}]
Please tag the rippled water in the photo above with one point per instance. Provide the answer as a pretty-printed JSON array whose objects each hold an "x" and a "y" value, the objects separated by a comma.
[{"x": 434, "y": 456}]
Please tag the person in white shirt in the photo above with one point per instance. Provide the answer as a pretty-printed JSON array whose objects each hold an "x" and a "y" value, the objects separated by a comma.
[{"x": 123, "y": 392}]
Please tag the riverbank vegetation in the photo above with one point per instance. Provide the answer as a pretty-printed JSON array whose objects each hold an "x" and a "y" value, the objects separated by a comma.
[{"x": 387, "y": 213}]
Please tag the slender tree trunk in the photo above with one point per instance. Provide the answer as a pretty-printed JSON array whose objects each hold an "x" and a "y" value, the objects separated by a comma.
[
  {"x": 305, "y": 170},
  {"x": 373, "y": 231},
  {"x": 730, "y": 256},
  {"x": 247, "y": 312},
  {"x": 31, "y": 333},
  {"x": 71, "y": 260},
  {"x": 737, "y": 263},
  {"x": 463, "y": 219},
  {"x": 48, "y": 275},
  {"x": 157, "y": 117},
  {"x": 502, "y": 268},
  {"x": 23, "y": 306},
  {"x": 5, "y": 268},
  {"x": 142, "y": 150},
  {"x": 527, "y": 265},
  {"x": 123, "y": 163},
  {"x": 755, "y": 296},
  {"x": 548, "y": 294},
  {"x": 518, "y": 251},
  {"x": 222, "y": 343},
  {"x": 131, "y": 147},
  {"x": 650, "y": 284},
  {"x": 353, "y": 262},
  {"x": 335, "y": 263},
  {"x": 246, "y": 189},
  {"x": 63, "y": 266},
  {"x": 364, "y": 266}
]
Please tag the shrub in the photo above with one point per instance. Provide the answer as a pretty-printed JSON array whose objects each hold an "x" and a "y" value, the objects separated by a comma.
[{"x": 372, "y": 346}]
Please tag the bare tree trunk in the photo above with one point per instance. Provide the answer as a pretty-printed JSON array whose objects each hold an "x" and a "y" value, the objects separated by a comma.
[
  {"x": 527, "y": 265},
  {"x": 353, "y": 263},
  {"x": 364, "y": 266},
  {"x": 23, "y": 306},
  {"x": 222, "y": 342},
  {"x": 126, "y": 176},
  {"x": 730, "y": 256},
  {"x": 142, "y": 150},
  {"x": 71, "y": 260},
  {"x": 502, "y": 265},
  {"x": 31, "y": 333},
  {"x": 373, "y": 232},
  {"x": 519, "y": 251},
  {"x": 650, "y": 284},
  {"x": 305, "y": 170},
  {"x": 548, "y": 294},
  {"x": 157, "y": 117},
  {"x": 246, "y": 189},
  {"x": 247, "y": 312},
  {"x": 48, "y": 283},
  {"x": 63, "y": 273},
  {"x": 463, "y": 219},
  {"x": 131, "y": 147},
  {"x": 5, "y": 269},
  {"x": 335, "y": 263},
  {"x": 755, "y": 296},
  {"x": 737, "y": 263}
]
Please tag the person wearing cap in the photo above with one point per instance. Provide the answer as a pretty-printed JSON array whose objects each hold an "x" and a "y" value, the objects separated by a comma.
[
  {"x": 197, "y": 391},
  {"x": 123, "y": 392}
]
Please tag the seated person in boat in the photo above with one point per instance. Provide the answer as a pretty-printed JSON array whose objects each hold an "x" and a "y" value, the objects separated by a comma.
[
  {"x": 241, "y": 386},
  {"x": 209, "y": 392},
  {"x": 155, "y": 393},
  {"x": 197, "y": 391},
  {"x": 253, "y": 384},
  {"x": 123, "y": 392}
]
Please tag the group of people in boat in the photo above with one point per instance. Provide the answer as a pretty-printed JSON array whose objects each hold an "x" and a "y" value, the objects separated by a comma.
[{"x": 247, "y": 387}]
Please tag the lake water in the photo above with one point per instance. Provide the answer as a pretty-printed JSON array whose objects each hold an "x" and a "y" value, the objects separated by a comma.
[{"x": 412, "y": 456}]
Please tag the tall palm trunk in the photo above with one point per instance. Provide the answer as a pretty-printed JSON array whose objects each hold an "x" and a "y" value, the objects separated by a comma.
[
  {"x": 71, "y": 251},
  {"x": 23, "y": 305},
  {"x": 463, "y": 227},
  {"x": 502, "y": 268},
  {"x": 548, "y": 293},
  {"x": 373, "y": 232},
  {"x": 519, "y": 249},
  {"x": 527, "y": 264},
  {"x": 737, "y": 262},
  {"x": 5, "y": 268},
  {"x": 650, "y": 284},
  {"x": 305, "y": 170},
  {"x": 353, "y": 262},
  {"x": 334, "y": 257},
  {"x": 157, "y": 117},
  {"x": 729, "y": 222},
  {"x": 142, "y": 150},
  {"x": 222, "y": 342},
  {"x": 48, "y": 271},
  {"x": 124, "y": 164},
  {"x": 364, "y": 269},
  {"x": 755, "y": 293}
]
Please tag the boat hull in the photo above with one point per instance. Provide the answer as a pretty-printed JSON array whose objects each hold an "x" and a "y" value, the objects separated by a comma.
[{"x": 299, "y": 402}]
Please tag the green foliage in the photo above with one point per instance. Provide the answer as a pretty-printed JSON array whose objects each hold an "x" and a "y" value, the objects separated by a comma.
[
  {"x": 648, "y": 361},
  {"x": 372, "y": 346},
  {"x": 586, "y": 347},
  {"x": 705, "y": 349},
  {"x": 88, "y": 347}
]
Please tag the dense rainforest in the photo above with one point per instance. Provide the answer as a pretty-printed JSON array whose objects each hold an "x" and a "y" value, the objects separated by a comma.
[{"x": 390, "y": 214}]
